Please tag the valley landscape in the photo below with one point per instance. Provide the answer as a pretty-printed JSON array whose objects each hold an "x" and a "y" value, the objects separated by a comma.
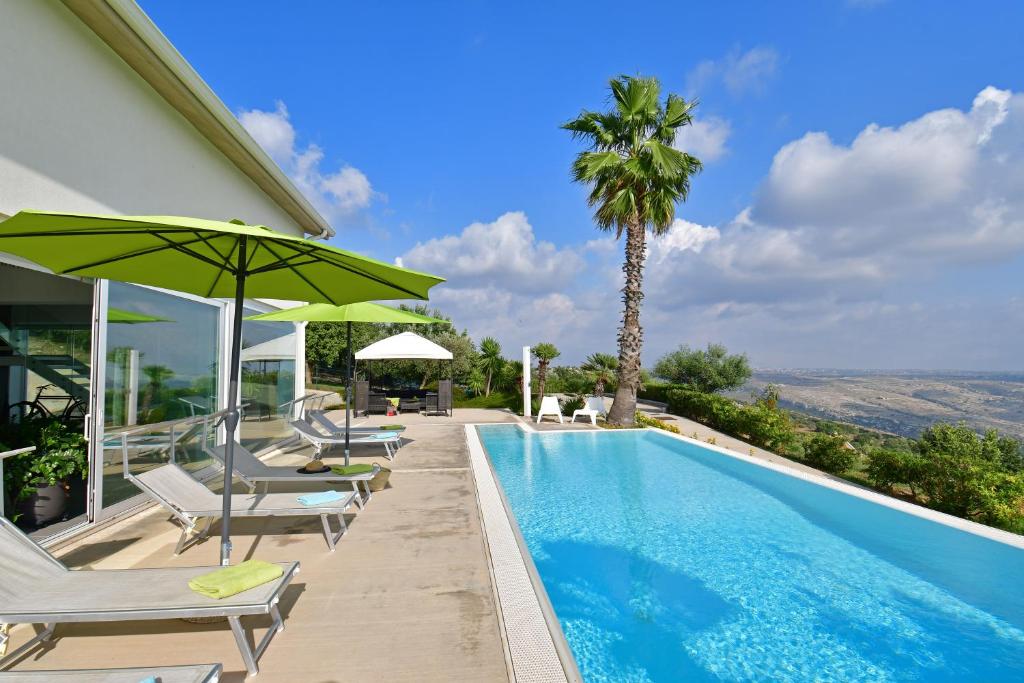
[{"x": 901, "y": 402}]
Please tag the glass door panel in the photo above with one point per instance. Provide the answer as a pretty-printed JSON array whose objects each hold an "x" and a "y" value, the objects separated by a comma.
[{"x": 162, "y": 364}]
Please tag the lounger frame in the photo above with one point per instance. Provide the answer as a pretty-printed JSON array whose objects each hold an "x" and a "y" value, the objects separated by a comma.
[
  {"x": 49, "y": 619},
  {"x": 197, "y": 523}
]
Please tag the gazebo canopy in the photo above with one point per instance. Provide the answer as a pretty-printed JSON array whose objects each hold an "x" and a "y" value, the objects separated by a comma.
[{"x": 402, "y": 346}]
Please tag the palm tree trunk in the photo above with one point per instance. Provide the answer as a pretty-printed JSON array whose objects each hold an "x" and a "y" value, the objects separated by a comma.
[
  {"x": 623, "y": 411},
  {"x": 487, "y": 389},
  {"x": 541, "y": 379}
]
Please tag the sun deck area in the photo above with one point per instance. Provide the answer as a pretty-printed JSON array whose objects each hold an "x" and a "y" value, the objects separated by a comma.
[{"x": 407, "y": 596}]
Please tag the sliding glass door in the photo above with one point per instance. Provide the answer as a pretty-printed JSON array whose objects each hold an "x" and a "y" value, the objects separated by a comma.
[{"x": 161, "y": 364}]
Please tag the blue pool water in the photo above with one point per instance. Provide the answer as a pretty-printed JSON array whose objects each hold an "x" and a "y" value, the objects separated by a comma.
[{"x": 667, "y": 561}]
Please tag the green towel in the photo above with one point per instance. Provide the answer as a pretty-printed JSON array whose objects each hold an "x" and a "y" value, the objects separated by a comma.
[
  {"x": 390, "y": 427},
  {"x": 228, "y": 581},
  {"x": 347, "y": 470}
]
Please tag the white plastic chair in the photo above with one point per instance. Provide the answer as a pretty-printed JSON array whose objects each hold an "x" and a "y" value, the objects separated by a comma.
[
  {"x": 549, "y": 406},
  {"x": 593, "y": 408}
]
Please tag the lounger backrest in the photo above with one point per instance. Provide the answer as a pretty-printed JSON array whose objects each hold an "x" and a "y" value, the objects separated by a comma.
[
  {"x": 24, "y": 566},
  {"x": 596, "y": 403},
  {"x": 306, "y": 431},
  {"x": 243, "y": 462},
  {"x": 174, "y": 486}
]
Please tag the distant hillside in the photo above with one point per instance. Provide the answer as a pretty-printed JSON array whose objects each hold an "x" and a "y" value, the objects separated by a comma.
[{"x": 902, "y": 402}]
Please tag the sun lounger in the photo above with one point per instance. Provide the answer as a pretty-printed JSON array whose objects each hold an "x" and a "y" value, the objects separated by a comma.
[
  {"x": 251, "y": 470},
  {"x": 191, "y": 503},
  {"x": 549, "y": 406},
  {"x": 389, "y": 440},
  {"x": 195, "y": 673},
  {"x": 593, "y": 408},
  {"x": 36, "y": 588},
  {"x": 335, "y": 429}
]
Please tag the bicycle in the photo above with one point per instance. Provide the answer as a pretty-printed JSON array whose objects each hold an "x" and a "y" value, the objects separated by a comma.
[{"x": 72, "y": 411}]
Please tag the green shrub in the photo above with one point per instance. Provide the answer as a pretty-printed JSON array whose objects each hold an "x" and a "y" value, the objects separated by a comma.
[
  {"x": 657, "y": 392},
  {"x": 712, "y": 410},
  {"x": 829, "y": 453},
  {"x": 886, "y": 468},
  {"x": 764, "y": 426},
  {"x": 570, "y": 404}
]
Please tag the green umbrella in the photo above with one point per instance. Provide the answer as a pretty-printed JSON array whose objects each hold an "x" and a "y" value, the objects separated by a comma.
[
  {"x": 123, "y": 317},
  {"x": 364, "y": 312},
  {"x": 212, "y": 259}
]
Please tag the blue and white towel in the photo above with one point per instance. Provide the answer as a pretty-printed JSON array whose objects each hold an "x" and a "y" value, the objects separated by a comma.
[
  {"x": 321, "y": 498},
  {"x": 385, "y": 436}
]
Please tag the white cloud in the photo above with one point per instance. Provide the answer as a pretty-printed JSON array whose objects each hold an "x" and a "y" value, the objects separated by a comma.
[
  {"x": 681, "y": 236},
  {"x": 335, "y": 194},
  {"x": 740, "y": 72},
  {"x": 705, "y": 138},
  {"x": 852, "y": 254},
  {"x": 504, "y": 252}
]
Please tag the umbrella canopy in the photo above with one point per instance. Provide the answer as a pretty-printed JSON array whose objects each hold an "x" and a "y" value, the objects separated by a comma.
[
  {"x": 404, "y": 345},
  {"x": 202, "y": 256},
  {"x": 123, "y": 317},
  {"x": 211, "y": 259},
  {"x": 365, "y": 312}
]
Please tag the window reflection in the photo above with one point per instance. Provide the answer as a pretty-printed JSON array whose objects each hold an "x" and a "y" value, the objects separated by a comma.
[
  {"x": 162, "y": 364},
  {"x": 268, "y": 381}
]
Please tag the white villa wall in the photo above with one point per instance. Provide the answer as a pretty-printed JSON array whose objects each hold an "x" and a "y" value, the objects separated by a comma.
[{"x": 81, "y": 131}]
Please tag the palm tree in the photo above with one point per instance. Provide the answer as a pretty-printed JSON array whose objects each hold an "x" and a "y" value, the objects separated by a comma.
[
  {"x": 490, "y": 360},
  {"x": 545, "y": 353},
  {"x": 601, "y": 367},
  {"x": 636, "y": 177}
]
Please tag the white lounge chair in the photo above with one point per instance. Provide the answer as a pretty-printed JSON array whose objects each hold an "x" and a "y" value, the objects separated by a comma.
[
  {"x": 335, "y": 429},
  {"x": 36, "y": 588},
  {"x": 549, "y": 406},
  {"x": 251, "y": 470},
  {"x": 594, "y": 407},
  {"x": 191, "y": 504},
  {"x": 189, "y": 673},
  {"x": 319, "y": 440}
]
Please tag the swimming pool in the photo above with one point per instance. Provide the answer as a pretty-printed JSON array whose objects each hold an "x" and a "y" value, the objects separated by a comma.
[{"x": 665, "y": 561}]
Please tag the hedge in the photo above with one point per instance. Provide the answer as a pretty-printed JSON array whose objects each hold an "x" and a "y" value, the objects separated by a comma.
[{"x": 759, "y": 423}]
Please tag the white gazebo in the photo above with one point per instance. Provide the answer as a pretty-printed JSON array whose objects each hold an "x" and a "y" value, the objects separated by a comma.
[
  {"x": 410, "y": 346},
  {"x": 406, "y": 345}
]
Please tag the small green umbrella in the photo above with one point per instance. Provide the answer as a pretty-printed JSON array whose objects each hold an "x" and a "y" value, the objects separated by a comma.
[
  {"x": 212, "y": 259},
  {"x": 364, "y": 312},
  {"x": 123, "y": 317}
]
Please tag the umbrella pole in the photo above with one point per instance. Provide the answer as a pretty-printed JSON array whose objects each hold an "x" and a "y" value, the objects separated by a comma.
[
  {"x": 348, "y": 384},
  {"x": 231, "y": 419}
]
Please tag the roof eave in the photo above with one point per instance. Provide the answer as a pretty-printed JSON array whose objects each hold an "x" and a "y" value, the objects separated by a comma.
[{"x": 126, "y": 29}]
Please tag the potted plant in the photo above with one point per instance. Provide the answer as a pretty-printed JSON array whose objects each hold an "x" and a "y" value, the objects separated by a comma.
[{"x": 39, "y": 483}]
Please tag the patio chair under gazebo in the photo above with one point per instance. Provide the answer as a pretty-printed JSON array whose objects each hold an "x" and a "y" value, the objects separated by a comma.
[{"x": 408, "y": 346}]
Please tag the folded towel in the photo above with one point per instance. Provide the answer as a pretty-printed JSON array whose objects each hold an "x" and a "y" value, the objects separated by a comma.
[
  {"x": 314, "y": 499},
  {"x": 349, "y": 470},
  {"x": 387, "y": 428},
  {"x": 384, "y": 436},
  {"x": 228, "y": 581},
  {"x": 151, "y": 679}
]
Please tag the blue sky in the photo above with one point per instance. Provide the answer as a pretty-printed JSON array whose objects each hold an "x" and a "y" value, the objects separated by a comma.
[{"x": 810, "y": 240}]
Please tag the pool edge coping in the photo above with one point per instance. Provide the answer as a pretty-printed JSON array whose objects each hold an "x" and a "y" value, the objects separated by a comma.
[{"x": 513, "y": 617}]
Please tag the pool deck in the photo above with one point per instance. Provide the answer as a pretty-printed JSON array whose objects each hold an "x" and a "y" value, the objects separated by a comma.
[{"x": 407, "y": 596}]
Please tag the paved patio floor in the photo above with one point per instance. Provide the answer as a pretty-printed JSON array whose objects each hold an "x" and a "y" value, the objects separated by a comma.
[{"x": 406, "y": 597}]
